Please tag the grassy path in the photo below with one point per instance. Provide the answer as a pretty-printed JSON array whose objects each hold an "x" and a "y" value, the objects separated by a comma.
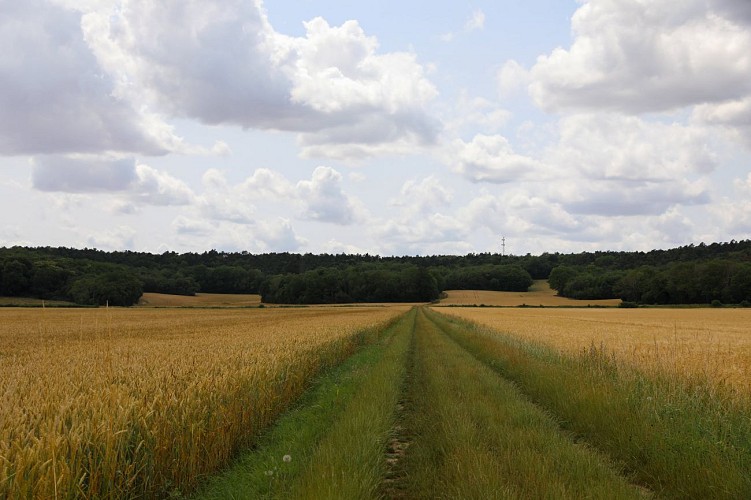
[
  {"x": 332, "y": 444},
  {"x": 473, "y": 435},
  {"x": 678, "y": 439},
  {"x": 417, "y": 416}
]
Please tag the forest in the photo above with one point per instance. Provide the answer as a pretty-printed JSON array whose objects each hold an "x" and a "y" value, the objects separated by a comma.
[{"x": 717, "y": 273}]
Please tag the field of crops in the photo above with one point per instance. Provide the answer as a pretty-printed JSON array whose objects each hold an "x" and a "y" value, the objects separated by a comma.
[
  {"x": 708, "y": 342},
  {"x": 150, "y": 299},
  {"x": 141, "y": 402},
  {"x": 539, "y": 294},
  {"x": 374, "y": 402}
]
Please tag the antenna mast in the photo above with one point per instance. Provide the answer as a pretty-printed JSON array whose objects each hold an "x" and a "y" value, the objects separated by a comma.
[{"x": 503, "y": 246}]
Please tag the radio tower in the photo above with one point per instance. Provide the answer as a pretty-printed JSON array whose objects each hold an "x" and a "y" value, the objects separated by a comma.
[{"x": 503, "y": 246}]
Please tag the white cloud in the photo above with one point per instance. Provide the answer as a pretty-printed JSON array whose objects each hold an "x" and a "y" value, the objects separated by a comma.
[
  {"x": 324, "y": 200},
  {"x": 221, "y": 201},
  {"x": 423, "y": 197},
  {"x": 55, "y": 98},
  {"x": 119, "y": 238},
  {"x": 276, "y": 234},
  {"x": 82, "y": 175},
  {"x": 511, "y": 77},
  {"x": 616, "y": 147},
  {"x": 267, "y": 184},
  {"x": 732, "y": 116},
  {"x": 320, "y": 199},
  {"x": 140, "y": 184},
  {"x": 627, "y": 197},
  {"x": 473, "y": 114},
  {"x": 186, "y": 225},
  {"x": 221, "y": 62},
  {"x": 475, "y": 22},
  {"x": 647, "y": 56},
  {"x": 733, "y": 213},
  {"x": 159, "y": 188},
  {"x": 490, "y": 158}
]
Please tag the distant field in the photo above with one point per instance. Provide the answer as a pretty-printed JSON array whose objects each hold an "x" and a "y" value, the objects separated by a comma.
[
  {"x": 539, "y": 294},
  {"x": 24, "y": 301},
  {"x": 200, "y": 300},
  {"x": 711, "y": 342}
]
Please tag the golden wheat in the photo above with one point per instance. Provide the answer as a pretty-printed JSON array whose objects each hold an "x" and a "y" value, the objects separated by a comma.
[
  {"x": 139, "y": 402},
  {"x": 715, "y": 343},
  {"x": 149, "y": 299},
  {"x": 539, "y": 294}
]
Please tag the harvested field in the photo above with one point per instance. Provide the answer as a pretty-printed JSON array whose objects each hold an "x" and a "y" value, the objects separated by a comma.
[
  {"x": 123, "y": 403},
  {"x": 539, "y": 294},
  {"x": 29, "y": 302},
  {"x": 200, "y": 300},
  {"x": 709, "y": 342}
]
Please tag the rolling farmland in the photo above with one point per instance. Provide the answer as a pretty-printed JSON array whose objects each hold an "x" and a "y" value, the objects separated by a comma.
[{"x": 372, "y": 402}]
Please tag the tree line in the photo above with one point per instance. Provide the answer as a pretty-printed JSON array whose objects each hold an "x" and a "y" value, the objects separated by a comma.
[
  {"x": 93, "y": 277},
  {"x": 689, "y": 274}
]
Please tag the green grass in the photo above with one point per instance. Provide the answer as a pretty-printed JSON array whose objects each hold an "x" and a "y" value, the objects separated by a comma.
[
  {"x": 680, "y": 438},
  {"x": 335, "y": 436},
  {"x": 350, "y": 461},
  {"x": 473, "y": 435}
]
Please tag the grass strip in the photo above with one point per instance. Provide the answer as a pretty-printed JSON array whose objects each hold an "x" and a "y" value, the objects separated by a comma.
[
  {"x": 350, "y": 461},
  {"x": 281, "y": 461},
  {"x": 475, "y": 436},
  {"x": 682, "y": 440}
]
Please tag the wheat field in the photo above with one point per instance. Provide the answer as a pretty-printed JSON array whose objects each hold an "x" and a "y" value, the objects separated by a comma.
[
  {"x": 150, "y": 299},
  {"x": 113, "y": 403},
  {"x": 539, "y": 294},
  {"x": 712, "y": 343}
]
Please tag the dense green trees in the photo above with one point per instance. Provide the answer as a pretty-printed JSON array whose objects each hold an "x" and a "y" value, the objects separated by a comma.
[
  {"x": 702, "y": 282},
  {"x": 509, "y": 278},
  {"x": 363, "y": 283},
  {"x": 115, "y": 288},
  {"x": 691, "y": 274}
]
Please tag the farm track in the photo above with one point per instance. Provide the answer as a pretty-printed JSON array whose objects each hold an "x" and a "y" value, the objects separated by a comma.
[
  {"x": 433, "y": 414},
  {"x": 466, "y": 432}
]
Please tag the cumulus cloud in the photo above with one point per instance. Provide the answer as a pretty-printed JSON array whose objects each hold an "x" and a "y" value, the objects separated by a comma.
[
  {"x": 617, "y": 147},
  {"x": 628, "y": 197},
  {"x": 222, "y": 201},
  {"x": 221, "y": 62},
  {"x": 511, "y": 77},
  {"x": 732, "y": 116},
  {"x": 424, "y": 197},
  {"x": 473, "y": 114},
  {"x": 733, "y": 213},
  {"x": 323, "y": 198},
  {"x": 140, "y": 183},
  {"x": 54, "y": 96},
  {"x": 490, "y": 158},
  {"x": 75, "y": 175},
  {"x": 159, "y": 188},
  {"x": 276, "y": 235},
  {"x": 640, "y": 57}
]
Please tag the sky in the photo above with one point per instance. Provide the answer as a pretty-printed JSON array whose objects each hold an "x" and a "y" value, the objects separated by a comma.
[{"x": 390, "y": 128}]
